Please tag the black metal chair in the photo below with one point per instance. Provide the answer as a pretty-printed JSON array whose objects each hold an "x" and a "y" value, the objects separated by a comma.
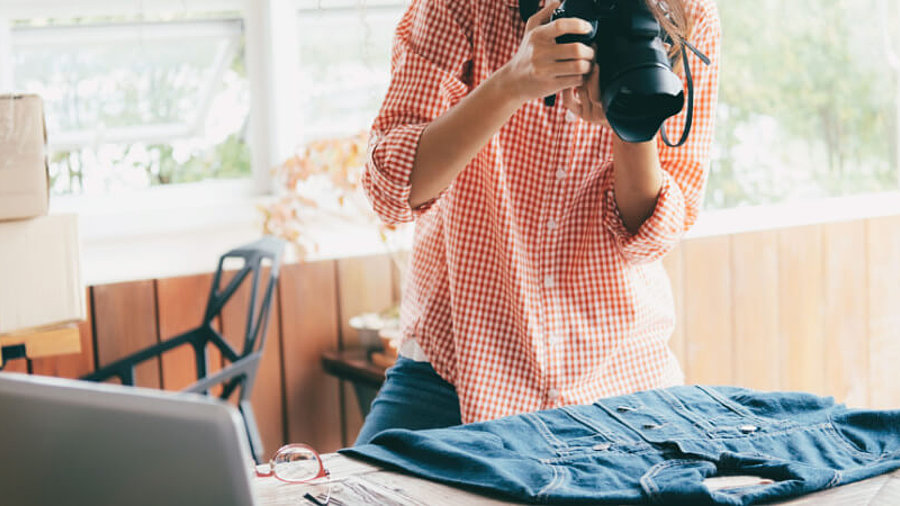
[{"x": 239, "y": 375}]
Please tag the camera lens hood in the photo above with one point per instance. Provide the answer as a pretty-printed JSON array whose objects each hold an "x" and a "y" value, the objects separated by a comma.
[{"x": 639, "y": 100}]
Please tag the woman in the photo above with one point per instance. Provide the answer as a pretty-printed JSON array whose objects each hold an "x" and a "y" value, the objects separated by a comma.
[{"x": 535, "y": 278}]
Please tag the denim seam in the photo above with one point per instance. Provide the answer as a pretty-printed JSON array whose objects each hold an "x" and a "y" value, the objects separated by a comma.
[
  {"x": 624, "y": 423},
  {"x": 647, "y": 478},
  {"x": 789, "y": 430},
  {"x": 733, "y": 406},
  {"x": 685, "y": 412},
  {"x": 575, "y": 454},
  {"x": 557, "y": 477},
  {"x": 588, "y": 423},
  {"x": 832, "y": 430},
  {"x": 835, "y": 480},
  {"x": 545, "y": 431}
]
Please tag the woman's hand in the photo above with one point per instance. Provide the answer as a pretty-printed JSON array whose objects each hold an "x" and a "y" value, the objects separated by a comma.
[
  {"x": 541, "y": 67},
  {"x": 584, "y": 100}
]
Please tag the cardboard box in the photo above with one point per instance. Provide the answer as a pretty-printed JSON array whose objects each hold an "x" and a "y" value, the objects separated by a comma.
[
  {"x": 24, "y": 178},
  {"x": 40, "y": 273}
]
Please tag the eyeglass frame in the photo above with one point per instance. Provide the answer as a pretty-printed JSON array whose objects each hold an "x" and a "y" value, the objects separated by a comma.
[{"x": 323, "y": 471}]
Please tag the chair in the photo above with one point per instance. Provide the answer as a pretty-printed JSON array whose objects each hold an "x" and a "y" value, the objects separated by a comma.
[{"x": 240, "y": 374}]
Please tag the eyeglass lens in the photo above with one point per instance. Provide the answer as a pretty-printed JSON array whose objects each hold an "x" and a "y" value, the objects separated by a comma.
[{"x": 296, "y": 464}]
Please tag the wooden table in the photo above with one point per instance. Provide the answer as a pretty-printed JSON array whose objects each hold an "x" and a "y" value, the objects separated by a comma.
[
  {"x": 352, "y": 475},
  {"x": 366, "y": 377},
  {"x": 354, "y": 366}
]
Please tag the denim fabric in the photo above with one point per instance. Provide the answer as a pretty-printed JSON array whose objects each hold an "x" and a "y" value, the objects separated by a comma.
[
  {"x": 413, "y": 396},
  {"x": 655, "y": 447}
]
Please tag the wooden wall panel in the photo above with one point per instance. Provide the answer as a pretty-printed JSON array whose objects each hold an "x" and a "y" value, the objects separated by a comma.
[
  {"x": 268, "y": 392},
  {"x": 364, "y": 285},
  {"x": 809, "y": 308},
  {"x": 74, "y": 365},
  {"x": 707, "y": 309},
  {"x": 755, "y": 309},
  {"x": 309, "y": 327},
  {"x": 181, "y": 303},
  {"x": 801, "y": 314},
  {"x": 883, "y": 245},
  {"x": 125, "y": 322},
  {"x": 846, "y": 311},
  {"x": 674, "y": 265}
]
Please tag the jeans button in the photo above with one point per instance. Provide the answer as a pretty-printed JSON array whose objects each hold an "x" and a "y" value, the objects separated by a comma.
[
  {"x": 624, "y": 409},
  {"x": 602, "y": 446},
  {"x": 650, "y": 426},
  {"x": 747, "y": 429}
]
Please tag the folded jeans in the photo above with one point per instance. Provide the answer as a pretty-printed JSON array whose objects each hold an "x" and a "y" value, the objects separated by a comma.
[{"x": 655, "y": 446}]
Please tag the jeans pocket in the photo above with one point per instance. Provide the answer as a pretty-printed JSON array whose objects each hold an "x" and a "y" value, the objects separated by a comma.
[{"x": 866, "y": 433}]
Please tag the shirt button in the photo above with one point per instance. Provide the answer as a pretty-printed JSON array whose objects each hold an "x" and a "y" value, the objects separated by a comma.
[
  {"x": 551, "y": 224},
  {"x": 560, "y": 174},
  {"x": 570, "y": 116},
  {"x": 548, "y": 281},
  {"x": 553, "y": 394}
]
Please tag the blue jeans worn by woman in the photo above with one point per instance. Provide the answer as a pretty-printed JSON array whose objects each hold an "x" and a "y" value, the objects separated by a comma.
[
  {"x": 413, "y": 397},
  {"x": 655, "y": 446}
]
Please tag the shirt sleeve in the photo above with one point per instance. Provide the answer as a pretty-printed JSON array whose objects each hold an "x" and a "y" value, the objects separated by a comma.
[
  {"x": 430, "y": 59},
  {"x": 684, "y": 169}
]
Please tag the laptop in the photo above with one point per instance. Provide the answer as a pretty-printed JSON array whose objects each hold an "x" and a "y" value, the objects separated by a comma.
[{"x": 73, "y": 442}]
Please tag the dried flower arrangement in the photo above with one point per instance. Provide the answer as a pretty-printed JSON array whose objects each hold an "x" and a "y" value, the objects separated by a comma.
[{"x": 332, "y": 166}]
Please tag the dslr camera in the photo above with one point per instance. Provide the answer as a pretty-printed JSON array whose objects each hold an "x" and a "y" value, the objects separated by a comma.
[{"x": 638, "y": 88}]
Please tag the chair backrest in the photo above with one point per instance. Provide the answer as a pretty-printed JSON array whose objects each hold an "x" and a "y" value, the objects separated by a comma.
[
  {"x": 253, "y": 256},
  {"x": 240, "y": 374}
]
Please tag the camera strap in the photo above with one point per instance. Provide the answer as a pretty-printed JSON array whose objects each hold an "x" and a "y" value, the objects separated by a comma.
[{"x": 685, "y": 45}]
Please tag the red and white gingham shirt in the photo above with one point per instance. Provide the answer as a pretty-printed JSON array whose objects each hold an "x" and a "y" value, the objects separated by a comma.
[{"x": 524, "y": 289}]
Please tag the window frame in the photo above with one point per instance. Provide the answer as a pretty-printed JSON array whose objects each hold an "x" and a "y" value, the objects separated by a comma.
[{"x": 115, "y": 229}]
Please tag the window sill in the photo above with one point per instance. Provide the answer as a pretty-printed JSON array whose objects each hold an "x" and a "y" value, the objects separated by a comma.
[
  {"x": 184, "y": 229},
  {"x": 795, "y": 214}
]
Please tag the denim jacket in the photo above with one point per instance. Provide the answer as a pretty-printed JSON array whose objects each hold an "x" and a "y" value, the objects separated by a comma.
[{"x": 655, "y": 446}]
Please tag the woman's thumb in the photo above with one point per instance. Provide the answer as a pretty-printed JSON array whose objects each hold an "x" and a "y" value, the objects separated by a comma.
[{"x": 542, "y": 16}]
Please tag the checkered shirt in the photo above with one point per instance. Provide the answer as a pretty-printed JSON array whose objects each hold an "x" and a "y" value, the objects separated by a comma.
[{"x": 524, "y": 289}]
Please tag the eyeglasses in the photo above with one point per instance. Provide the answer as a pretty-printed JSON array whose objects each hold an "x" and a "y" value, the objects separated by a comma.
[{"x": 298, "y": 463}]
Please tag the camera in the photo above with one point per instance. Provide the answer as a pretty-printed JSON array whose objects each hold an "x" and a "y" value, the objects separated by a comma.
[{"x": 638, "y": 89}]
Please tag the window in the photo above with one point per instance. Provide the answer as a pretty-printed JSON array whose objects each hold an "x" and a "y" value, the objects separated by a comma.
[
  {"x": 133, "y": 104},
  {"x": 344, "y": 56},
  {"x": 809, "y": 101}
]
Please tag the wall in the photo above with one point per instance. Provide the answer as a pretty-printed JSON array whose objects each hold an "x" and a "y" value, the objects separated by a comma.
[{"x": 814, "y": 308}]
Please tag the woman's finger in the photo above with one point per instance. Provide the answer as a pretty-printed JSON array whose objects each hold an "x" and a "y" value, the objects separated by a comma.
[
  {"x": 570, "y": 102},
  {"x": 542, "y": 16},
  {"x": 570, "y": 68},
  {"x": 592, "y": 83}
]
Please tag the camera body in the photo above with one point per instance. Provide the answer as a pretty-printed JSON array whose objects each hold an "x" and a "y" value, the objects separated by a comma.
[{"x": 638, "y": 88}]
